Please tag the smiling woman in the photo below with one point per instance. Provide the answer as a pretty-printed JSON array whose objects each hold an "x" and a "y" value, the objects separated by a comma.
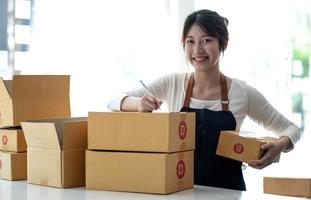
[{"x": 219, "y": 102}]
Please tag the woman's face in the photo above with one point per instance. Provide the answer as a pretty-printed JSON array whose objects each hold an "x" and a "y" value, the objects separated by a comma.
[{"x": 202, "y": 50}]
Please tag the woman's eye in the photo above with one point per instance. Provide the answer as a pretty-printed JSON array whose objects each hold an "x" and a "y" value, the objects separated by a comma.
[
  {"x": 189, "y": 41},
  {"x": 206, "y": 40}
]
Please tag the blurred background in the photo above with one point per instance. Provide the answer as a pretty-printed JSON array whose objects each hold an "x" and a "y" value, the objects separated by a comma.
[{"x": 107, "y": 46}]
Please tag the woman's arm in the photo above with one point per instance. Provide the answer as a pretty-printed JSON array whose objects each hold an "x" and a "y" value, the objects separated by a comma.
[
  {"x": 146, "y": 103},
  {"x": 261, "y": 111},
  {"x": 138, "y": 100}
]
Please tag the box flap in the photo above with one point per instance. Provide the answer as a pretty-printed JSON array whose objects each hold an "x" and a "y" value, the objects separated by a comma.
[
  {"x": 40, "y": 86},
  {"x": 75, "y": 134},
  {"x": 41, "y": 135},
  {"x": 5, "y": 89}
]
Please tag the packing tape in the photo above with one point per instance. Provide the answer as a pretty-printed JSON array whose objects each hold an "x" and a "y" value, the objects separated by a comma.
[
  {"x": 182, "y": 146},
  {"x": 183, "y": 116},
  {"x": 44, "y": 182},
  {"x": 181, "y": 155},
  {"x": 180, "y": 184}
]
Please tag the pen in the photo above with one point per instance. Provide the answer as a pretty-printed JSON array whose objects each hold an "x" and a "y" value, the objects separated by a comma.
[
  {"x": 145, "y": 87},
  {"x": 147, "y": 90}
]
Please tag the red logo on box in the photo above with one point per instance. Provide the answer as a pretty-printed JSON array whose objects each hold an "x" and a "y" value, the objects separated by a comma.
[
  {"x": 180, "y": 169},
  {"x": 238, "y": 148},
  {"x": 4, "y": 139},
  {"x": 182, "y": 130}
]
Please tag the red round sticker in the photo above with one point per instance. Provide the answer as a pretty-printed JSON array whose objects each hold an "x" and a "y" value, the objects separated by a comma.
[
  {"x": 180, "y": 169},
  {"x": 182, "y": 130},
  {"x": 4, "y": 139},
  {"x": 238, "y": 148}
]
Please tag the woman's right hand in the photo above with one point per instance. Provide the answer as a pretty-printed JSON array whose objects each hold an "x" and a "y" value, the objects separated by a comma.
[{"x": 148, "y": 103}]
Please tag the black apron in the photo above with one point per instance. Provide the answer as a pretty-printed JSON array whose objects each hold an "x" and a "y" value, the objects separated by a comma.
[{"x": 209, "y": 168}]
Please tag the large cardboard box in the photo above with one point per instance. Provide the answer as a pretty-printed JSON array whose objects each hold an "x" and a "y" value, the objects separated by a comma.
[
  {"x": 242, "y": 148},
  {"x": 56, "y": 151},
  {"x": 134, "y": 131},
  {"x": 13, "y": 166},
  {"x": 288, "y": 186},
  {"x": 28, "y": 97},
  {"x": 159, "y": 173},
  {"x": 13, "y": 140}
]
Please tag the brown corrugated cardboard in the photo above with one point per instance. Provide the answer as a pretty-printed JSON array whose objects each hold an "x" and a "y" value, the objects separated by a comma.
[
  {"x": 12, "y": 140},
  {"x": 56, "y": 151},
  {"x": 13, "y": 166},
  {"x": 288, "y": 186},
  {"x": 242, "y": 148},
  {"x": 134, "y": 131},
  {"x": 28, "y": 97},
  {"x": 159, "y": 173}
]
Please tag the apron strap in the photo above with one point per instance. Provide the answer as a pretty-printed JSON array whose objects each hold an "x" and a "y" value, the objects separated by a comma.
[
  {"x": 224, "y": 92},
  {"x": 189, "y": 91}
]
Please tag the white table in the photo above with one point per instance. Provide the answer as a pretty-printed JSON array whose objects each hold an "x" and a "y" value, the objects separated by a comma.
[{"x": 20, "y": 190}]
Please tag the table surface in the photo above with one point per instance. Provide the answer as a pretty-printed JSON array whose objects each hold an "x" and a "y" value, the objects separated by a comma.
[{"x": 20, "y": 190}]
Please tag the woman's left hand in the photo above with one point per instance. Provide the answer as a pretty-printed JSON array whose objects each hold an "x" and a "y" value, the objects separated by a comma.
[{"x": 272, "y": 150}]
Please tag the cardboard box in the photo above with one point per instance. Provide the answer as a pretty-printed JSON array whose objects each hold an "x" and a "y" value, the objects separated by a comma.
[
  {"x": 158, "y": 173},
  {"x": 148, "y": 132},
  {"x": 242, "y": 148},
  {"x": 287, "y": 186},
  {"x": 56, "y": 151},
  {"x": 33, "y": 97},
  {"x": 12, "y": 140},
  {"x": 13, "y": 166}
]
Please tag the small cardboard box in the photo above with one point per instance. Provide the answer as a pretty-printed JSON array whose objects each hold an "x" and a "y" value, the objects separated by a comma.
[
  {"x": 13, "y": 166},
  {"x": 56, "y": 151},
  {"x": 12, "y": 140},
  {"x": 242, "y": 148},
  {"x": 287, "y": 186},
  {"x": 158, "y": 173},
  {"x": 28, "y": 97},
  {"x": 148, "y": 132}
]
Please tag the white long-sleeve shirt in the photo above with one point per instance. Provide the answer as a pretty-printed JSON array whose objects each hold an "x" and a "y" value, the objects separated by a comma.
[{"x": 244, "y": 100}]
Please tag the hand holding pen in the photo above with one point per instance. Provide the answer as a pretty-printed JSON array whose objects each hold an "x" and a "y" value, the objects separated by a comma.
[{"x": 149, "y": 102}]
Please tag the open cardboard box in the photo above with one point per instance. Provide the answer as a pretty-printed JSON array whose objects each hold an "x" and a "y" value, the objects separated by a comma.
[
  {"x": 28, "y": 97},
  {"x": 242, "y": 148},
  {"x": 135, "y": 131},
  {"x": 56, "y": 151}
]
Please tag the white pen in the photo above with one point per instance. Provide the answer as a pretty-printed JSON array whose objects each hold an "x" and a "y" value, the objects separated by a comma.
[
  {"x": 147, "y": 90},
  {"x": 145, "y": 87}
]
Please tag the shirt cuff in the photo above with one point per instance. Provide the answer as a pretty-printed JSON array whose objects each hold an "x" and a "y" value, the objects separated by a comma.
[
  {"x": 294, "y": 134},
  {"x": 115, "y": 103}
]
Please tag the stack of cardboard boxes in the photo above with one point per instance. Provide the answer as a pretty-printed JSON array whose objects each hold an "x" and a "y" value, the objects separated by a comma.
[
  {"x": 13, "y": 156},
  {"x": 22, "y": 98},
  {"x": 140, "y": 152}
]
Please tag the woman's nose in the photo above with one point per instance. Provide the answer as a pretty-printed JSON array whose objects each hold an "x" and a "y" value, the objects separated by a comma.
[{"x": 198, "y": 48}]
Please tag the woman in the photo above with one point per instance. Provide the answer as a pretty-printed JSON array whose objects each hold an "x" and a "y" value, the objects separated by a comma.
[{"x": 220, "y": 103}]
